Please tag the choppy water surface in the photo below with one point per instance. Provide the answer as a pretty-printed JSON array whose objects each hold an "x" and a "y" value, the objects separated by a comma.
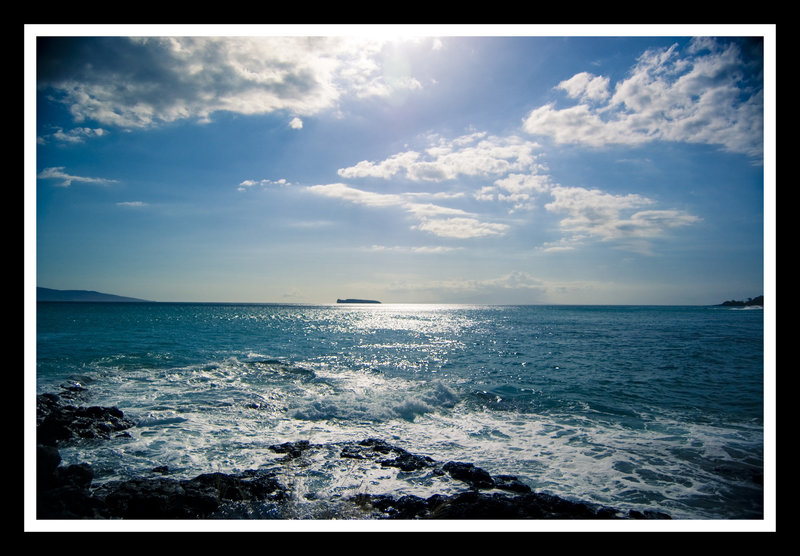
[{"x": 633, "y": 407}]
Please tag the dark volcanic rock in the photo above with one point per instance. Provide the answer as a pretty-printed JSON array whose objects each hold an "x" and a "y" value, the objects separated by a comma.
[
  {"x": 373, "y": 448},
  {"x": 198, "y": 498},
  {"x": 510, "y": 483},
  {"x": 65, "y": 492},
  {"x": 475, "y": 477},
  {"x": 476, "y": 505},
  {"x": 291, "y": 449},
  {"x": 157, "y": 498},
  {"x": 405, "y": 507},
  {"x": 408, "y": 462},
  {"x": 59, "y": 421}
]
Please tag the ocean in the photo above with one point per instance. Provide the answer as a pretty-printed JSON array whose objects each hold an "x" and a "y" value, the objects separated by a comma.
[{"x": 635, "y": 407}]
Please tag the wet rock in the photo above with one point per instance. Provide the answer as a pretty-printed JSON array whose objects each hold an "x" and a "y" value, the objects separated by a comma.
[
  {"x": 476, "y": 505},
  {"x": 157, "y": 498},
  {"x": 291, "y": 449},
  {"x": 370, "y": 448},
  {"x": 248, "y": 485},
  {"x": 510, "y": 483},
  {"x": 63, "y": 492},
  {"x": 387, "y": 507},
  {"x": 59, "y": 421},
  {"x": 648, "y": 514},
  {"x": 474, "y": 476},
  {"x": 373, "y": 448},
  {"x": 408, "y": 462},
  {"x": 167, "y": 498}
]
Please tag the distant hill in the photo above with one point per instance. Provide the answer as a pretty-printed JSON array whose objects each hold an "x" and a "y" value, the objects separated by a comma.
[
  {"x": 47, "y": 294},
  {"x": 754, "y": 302}
]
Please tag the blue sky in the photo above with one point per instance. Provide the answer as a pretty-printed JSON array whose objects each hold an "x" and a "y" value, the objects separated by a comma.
[{"x": 404, "y": 164}]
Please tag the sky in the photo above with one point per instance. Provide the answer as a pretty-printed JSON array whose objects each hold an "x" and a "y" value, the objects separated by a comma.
[{"x": 401, "y": 163}]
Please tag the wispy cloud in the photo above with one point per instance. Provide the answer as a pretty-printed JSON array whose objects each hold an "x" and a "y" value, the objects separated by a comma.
[
  {"x": 247, "y": 184},
  {"x": 58, "y": 173},
  {"x": 593, "y": 214},
  {"x": 700, "y": 95},
  {"x": 461, "y": 227},
  {"x": 436, "y": 219},
  {"x": 421, "y": 249},
  {"x": 516, "y": 281},
  {"x": 74, "y": 135},
  {"x": 132, "y": 204}
]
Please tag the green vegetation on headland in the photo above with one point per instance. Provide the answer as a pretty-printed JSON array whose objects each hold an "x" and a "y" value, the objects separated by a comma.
[{"x": 751, "y": 302}]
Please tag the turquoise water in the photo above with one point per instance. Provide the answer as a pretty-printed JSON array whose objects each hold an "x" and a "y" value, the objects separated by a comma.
[{"x": 636, "y": 407}]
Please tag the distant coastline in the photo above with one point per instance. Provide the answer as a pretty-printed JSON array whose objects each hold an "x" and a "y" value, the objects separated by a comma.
[
  {"x": 754, "y": 302},
  {"x": 48, "y": 294}
]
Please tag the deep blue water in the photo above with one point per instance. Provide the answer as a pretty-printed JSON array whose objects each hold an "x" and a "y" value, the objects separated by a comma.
[{"x": 630, "y": 406}]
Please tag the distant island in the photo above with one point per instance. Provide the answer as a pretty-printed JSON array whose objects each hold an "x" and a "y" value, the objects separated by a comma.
[
  {"x": 751, "y": 302},
  {"x": 356, "y": 301},
  {"x": 47, "y": 294}
]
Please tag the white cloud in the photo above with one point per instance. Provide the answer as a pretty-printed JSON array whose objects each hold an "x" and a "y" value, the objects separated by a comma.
[
  {"x": 131, "y": 204},
  {"x": 595, "y": 214},
  {"x": 358, "y": 196},
  {"x": 586, "y": 86},
  {"x": 423, "y": 249},
  {"x": 59, "y": 174},
  {"x": 469, "y": 155},
  {"x": 296, "y": 123},
  {"x": 140, "y": 82},
  {"x": 385, "y": 169},
  {"x": 701, "y": 96},
  {"x": 75, "y": 135},
  {"x": 630, "y": 221},
  {"x": 518, "y": 189},
  {"x": 436, "y": 219},
  {"x": 461, "y": 228},
  {"x": 246, "y": 184}
]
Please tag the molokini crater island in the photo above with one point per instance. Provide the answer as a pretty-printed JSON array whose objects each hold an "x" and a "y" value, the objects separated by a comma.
[{"x": 356, "y": 301}]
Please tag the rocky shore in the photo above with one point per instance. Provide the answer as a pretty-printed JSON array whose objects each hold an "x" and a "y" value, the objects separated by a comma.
[{"x": 66, "y": 492}]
